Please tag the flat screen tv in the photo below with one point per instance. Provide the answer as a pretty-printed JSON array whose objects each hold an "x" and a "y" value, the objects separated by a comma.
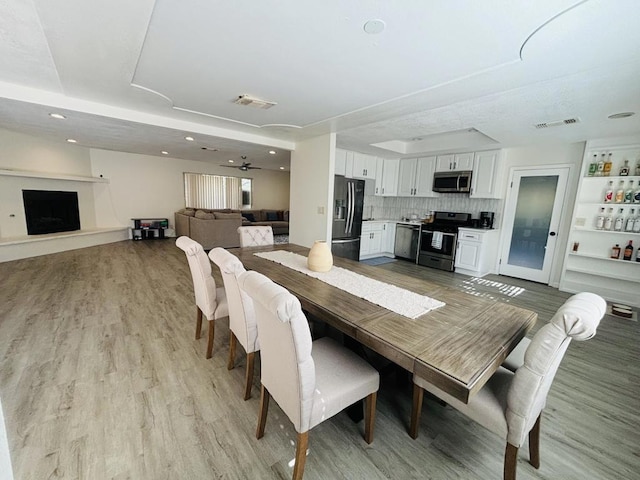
[{"x": 51, "y": 211}]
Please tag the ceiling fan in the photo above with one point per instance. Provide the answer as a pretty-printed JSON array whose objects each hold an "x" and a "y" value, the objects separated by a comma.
[{"x": 244, "y": 167}]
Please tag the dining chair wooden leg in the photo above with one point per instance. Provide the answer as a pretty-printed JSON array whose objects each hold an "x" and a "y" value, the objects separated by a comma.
[
  {"x": 232, "y": 350},
  {"x": 212, "y": 332},
  {"x": 262, "y": 414},
  {"x": 369, "y": 416},
  {"x": 510, "y": 462},
  {"x": 198, "y": 322},
  {"x": 301, "y": 455},
  {"x": 248, "y": 381},
  {"x": 416, "y": 410},
  {"x": 534, "y": 444}
]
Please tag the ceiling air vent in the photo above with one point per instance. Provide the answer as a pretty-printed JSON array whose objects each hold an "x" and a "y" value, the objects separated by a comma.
[
  {"x": 557, "y": 123},
  {"x": 248, "y": 101}
]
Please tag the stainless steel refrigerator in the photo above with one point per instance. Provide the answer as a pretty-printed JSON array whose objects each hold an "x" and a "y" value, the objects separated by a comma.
[{"x": 348, "y": 203}]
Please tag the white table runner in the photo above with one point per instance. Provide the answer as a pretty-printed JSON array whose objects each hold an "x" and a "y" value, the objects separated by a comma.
[{"x": 396, "y": 299}]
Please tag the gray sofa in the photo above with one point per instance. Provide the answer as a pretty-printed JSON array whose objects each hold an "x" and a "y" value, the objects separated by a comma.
[{"x": 218, "y": 228}]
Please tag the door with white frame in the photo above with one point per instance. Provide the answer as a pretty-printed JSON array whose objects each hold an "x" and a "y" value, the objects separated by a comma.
[{"x": 531, "y": 221}]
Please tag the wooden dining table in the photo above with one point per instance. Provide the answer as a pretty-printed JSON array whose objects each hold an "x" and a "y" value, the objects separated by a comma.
[{"x": 456, "y": 347}]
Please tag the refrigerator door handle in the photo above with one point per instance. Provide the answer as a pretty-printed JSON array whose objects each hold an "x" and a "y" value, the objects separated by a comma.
[{"x": 349, "y": 208}]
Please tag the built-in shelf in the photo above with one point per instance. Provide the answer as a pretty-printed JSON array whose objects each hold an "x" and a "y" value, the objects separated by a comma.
[
  {"x": 52, "y": 176},
  {"x": 590, "y": 268},
  {"x": 600, "y": 257},
  {"x": 585, "y": 271},
  {"x": 593, "y": 230}
]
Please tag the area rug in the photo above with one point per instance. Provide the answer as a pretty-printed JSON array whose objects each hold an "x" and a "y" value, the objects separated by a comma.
[{"x": 378, "y": 260}]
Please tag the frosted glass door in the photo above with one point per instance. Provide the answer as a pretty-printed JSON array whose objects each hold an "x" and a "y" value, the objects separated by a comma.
[{"x": 532, "y": 217}]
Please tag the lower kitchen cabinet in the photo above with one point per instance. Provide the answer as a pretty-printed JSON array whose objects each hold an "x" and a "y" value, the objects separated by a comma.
[
  {"x": 377, "y": 239},
  {"x": 476, "y": 251}
]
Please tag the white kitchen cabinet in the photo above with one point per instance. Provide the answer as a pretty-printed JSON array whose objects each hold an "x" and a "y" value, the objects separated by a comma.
[
  {"x": 388, "y": 238},
  {"x": 588, "y": 265},
  {"x": 486, "y": 180},
  {"x": 387, "y": 177},
  {"x": 371, "y": 239},
  {"x": 415, "y": 177},
  {"x": 344, "y": 163},
  {"x": 454, "y": 162},
  {"x": 364, "y": 166},
  {"x": 476, "y": 251}
]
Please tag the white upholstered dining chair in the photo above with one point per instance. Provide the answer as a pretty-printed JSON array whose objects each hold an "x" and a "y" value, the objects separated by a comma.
[
  {"x": 242, "y": 319},
  {"x": 255, "y": 236},
  {"x": 210, "y": 301},
  {"x": 510, "y": 404},
  {"x": 310, "y": 381}
]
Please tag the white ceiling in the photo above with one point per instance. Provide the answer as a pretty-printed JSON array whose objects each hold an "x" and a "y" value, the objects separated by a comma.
[{"x": 140, "y": 76}]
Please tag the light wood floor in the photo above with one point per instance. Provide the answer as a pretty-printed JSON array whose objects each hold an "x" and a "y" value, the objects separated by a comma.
[{"x": 101, "y": 377}]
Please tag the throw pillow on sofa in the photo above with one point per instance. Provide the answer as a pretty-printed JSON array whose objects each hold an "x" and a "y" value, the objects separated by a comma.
[
  {"x": 204, "y": 215},
  {"x": 220, "y": 215},
  {"x": 272, "y": 216},
  {"x": 249, "y": 216}
]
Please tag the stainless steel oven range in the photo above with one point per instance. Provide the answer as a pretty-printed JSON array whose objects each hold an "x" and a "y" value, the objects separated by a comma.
[{"x": 438, "y": 240}]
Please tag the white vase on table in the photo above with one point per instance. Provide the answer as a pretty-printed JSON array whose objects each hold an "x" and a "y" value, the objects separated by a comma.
[{"x": 320, "y": 258}]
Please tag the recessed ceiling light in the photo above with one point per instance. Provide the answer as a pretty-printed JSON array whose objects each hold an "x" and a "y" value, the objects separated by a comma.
[
  {"x": 272, "y": 152},
  {"x": 281, "y": 168},
  {"x": 71, "y": 140},
  {"x": 164, "y": 152},
  {"x": 189, "y": 139},
  {"x": 373, "y": 27},
  {"x": 621, "y": 115},
  {"x": 230, "y": 161},
  {"x": 57, "y": 115}
]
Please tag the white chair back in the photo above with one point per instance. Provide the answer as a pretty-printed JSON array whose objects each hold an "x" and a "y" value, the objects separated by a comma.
[
  {"x": 204, "y": 284},
  {"x": 255, "y": 236},
  {"x": 578, "y": 318},
  {"x": 242, "y": 318},
  {"x": 287, "y": 368}
]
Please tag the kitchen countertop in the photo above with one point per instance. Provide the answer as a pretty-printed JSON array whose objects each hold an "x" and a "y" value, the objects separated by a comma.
[{"x": 383, "y": 220}]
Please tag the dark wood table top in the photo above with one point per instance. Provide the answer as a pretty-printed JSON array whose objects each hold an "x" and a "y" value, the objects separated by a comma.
[{"x": 456, "y": 347}]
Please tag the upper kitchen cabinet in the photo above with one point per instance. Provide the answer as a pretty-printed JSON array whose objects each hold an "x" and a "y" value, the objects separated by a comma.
[
  {"x": 387, "y": 177},
  {"x": 415, "y": 177},
  {"x": 344, "y": 163},
  {"x": 454, "y": 162},
  {"x": 364, "y": 166},
  {"x": 486, "y": 180}
]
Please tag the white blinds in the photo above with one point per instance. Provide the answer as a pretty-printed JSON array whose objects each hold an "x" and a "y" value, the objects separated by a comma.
[{"x": 212, "y": 191}]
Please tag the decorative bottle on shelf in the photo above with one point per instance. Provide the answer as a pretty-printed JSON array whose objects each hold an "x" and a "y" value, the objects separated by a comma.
[
  {"x": 617, "y": 224},
  {"x": 624, "y": 170},
  {"x": 636, "y": 224},
  {"x": 600, "y": 220},
  {"x": 600, "y": 166},
  {"x": 628, "y": 226},
  {"x": 638, "y": 168},
  {"x": 620, "y": 192},
  {"x": 608, "y": 193},
  {"x": 608, "y": 220},
  {"x": 607, "y": 165},
  {"x": 628, "y": 193},
  {"x": 615, "y": 252},
  {"x": 593, "y": 166},
  {"x": 636, "y": 194},
  {"x": 628, "y": 251}
]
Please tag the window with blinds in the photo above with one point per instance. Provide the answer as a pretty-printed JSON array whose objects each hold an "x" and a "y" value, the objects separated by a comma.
[{"x": 202, "y": 190}]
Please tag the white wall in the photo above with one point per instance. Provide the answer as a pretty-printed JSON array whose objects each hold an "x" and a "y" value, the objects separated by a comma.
[
  {"x": 25, "y": 152},
  {"x": 312, "y": 167},
  {"x": 150, "y": 186}
]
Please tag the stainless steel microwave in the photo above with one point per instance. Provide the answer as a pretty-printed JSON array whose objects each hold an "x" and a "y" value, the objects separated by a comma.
[{"x": 452, "y": 182}]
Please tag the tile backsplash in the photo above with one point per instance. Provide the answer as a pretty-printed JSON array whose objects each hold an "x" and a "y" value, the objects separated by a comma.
[{"x": 396, "y": 208}]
